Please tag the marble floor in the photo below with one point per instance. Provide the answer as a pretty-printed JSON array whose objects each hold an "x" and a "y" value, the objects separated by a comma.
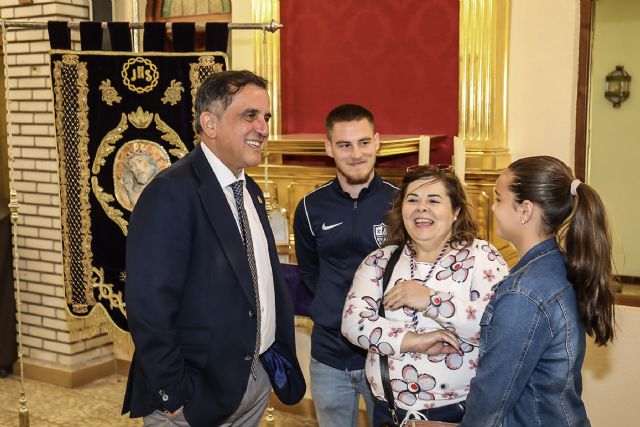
[{"x": 94, "y": 405}]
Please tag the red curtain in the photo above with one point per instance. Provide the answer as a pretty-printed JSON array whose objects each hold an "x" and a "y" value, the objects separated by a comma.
[{"x": 398, "y": 58}]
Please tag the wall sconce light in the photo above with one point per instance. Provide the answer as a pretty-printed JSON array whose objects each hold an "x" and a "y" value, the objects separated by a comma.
[{"x": 617, "y": 84}]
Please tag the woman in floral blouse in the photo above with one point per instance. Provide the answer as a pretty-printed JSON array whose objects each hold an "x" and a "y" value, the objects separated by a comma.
[{"x": 438, "y": 289}]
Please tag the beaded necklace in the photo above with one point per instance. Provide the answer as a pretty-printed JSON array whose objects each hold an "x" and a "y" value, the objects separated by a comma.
[{"x": 414, "y": 266}]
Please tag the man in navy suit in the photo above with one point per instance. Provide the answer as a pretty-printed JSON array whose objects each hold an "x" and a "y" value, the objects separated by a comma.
[{"x": 208, "y": 309}]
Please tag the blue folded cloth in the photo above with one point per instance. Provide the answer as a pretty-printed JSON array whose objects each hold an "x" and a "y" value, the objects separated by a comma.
[{"x": 278, "y": 366}]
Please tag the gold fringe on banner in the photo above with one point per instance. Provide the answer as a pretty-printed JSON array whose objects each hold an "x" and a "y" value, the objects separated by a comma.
[{"x": 97, "y": 323}]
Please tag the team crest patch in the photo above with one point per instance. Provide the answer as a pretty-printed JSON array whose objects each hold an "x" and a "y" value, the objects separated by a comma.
[{"x": 380, "y": 233}]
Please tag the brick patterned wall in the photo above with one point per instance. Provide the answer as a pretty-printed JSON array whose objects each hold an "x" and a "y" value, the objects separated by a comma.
[{"x": 46, "y": 338}]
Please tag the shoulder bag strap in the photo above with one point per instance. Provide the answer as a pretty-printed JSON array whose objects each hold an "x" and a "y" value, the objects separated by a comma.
[{"x": 384, "y": 360}]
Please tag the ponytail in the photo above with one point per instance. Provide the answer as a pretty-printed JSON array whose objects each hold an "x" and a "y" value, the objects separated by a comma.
[
  {"x": 575, "y": 214},
  {"x": 586, "y": 242}
]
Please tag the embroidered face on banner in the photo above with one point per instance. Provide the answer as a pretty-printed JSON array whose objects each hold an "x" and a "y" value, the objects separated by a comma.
[{"x": 136, "y": 164}]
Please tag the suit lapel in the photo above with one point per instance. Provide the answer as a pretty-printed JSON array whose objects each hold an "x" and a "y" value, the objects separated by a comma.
[{"x": 223, "y": 222}]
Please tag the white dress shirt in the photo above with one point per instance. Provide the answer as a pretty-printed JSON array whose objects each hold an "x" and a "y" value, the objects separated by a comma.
[{"x": 261, "y": 250}]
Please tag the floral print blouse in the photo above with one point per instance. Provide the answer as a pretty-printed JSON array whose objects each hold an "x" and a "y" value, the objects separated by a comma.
[{"x": 460, "y": 290}]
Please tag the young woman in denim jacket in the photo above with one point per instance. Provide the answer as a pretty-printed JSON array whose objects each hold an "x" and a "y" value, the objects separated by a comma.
[{"x": 532, "y": 342}]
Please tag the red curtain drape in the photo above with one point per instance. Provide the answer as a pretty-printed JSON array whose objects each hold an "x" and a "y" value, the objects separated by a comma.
[{"x": 397, "y": 58}]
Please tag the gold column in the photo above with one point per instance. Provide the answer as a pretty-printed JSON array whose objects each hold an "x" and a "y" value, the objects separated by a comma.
[
  {"x": 482, "y": 108},
  {"x": 267, "y": 55}
]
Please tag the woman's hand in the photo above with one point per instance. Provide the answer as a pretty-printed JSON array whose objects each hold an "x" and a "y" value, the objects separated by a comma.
[
  {"x": 408, "y": 293},
  {"x": 437, "y": 342}
]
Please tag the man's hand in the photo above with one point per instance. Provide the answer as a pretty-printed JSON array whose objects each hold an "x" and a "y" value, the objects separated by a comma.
[
  {"x": 408, "y": 293},
  {"x": 431, "y": 343}
]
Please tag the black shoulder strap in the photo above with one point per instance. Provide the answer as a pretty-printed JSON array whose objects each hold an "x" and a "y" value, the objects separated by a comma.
[
  {"x": 393, "y": 260},
  {"x": 384, "y": 362}
]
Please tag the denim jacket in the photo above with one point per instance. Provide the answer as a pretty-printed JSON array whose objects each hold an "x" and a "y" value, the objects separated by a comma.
[{"x": 532, "y": 346}]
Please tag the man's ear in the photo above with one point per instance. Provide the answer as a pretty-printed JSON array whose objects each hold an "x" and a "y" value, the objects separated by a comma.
[
  {"x": 328, "y": 148},
  {"x": 209, "y": 123},
  {"x": 376, "y": 141}
]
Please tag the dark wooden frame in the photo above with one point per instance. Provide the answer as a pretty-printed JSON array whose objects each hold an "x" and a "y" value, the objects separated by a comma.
[{"x": 587, "y": 8}]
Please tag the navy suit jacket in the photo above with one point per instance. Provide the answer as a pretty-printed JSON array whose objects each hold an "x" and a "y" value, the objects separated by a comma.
[{"x": 190, "y": 299}]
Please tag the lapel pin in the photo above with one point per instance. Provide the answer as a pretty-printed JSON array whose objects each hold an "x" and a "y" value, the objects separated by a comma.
[{"x": 259, "y": 199}]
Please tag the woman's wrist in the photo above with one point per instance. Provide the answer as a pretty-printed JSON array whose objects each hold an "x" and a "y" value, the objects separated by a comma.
[
  {"x": 434, "y": 300},
  {"x": 424, "y": 300},
  {"x": 408, "y": 342}
]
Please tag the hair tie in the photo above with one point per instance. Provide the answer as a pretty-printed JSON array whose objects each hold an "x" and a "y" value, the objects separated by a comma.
[{"x": 574, "y": 187}]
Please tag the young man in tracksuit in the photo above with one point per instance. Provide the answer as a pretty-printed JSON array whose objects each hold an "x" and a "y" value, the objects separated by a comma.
[{"x": 336, "y": 226}]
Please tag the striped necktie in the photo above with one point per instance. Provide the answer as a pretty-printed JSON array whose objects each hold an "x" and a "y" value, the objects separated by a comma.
[{"x": 238, "y": 188}]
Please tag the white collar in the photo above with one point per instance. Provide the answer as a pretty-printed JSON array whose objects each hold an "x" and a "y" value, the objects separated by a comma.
[{"x": 222, "y": 172}]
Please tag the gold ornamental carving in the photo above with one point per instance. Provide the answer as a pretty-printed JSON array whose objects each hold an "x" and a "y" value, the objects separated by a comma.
[
  {"x": 140, "y": 118},
  {"x": 140, "y": 75},
  {"x": 109, "y": 93},
  {"x": 70, "y": 60},
  {"x": 206, "y": 66},
  {"x": 173, "y": 94},
  {"x": 71, "y": 88},
  {"x": 105, "y": 291},
  {"x": 170, "y": 135}
]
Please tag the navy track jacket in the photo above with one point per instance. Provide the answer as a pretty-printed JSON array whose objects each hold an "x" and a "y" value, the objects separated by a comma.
[{"x": 333, "y": 234}]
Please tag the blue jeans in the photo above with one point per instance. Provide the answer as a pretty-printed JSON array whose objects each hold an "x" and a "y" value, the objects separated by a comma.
[{"x": 336, "y": 395}]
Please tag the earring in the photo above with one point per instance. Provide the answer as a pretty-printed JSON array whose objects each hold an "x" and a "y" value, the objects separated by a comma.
[
  {"x": 521, "y": 220},
  {"x": 455, "y": 218}
]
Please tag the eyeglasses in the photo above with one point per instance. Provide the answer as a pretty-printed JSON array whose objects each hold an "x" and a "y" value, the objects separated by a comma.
[{"x": 439, "y": 168}]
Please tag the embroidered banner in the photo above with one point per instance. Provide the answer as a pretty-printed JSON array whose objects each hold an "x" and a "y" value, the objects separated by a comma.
[{"x": 120, "y": 119}]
